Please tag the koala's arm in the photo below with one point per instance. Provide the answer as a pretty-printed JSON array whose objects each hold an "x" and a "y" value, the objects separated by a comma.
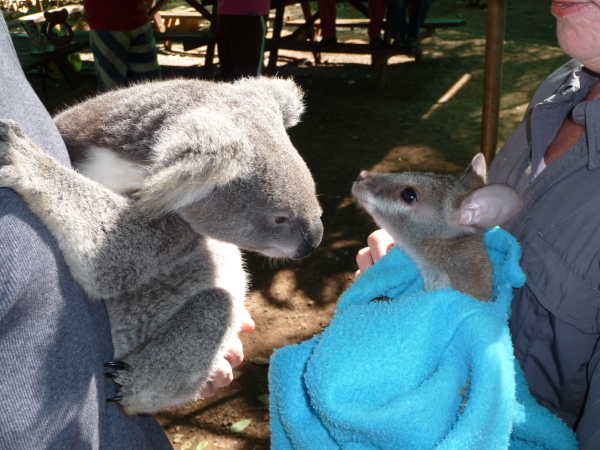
[
  {"x": 100, "y": 236},
  {"x": 169, "y": 369},
  {"x": 187, "y": 329}
]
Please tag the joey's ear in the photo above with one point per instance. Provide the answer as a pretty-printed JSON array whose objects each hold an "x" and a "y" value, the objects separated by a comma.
[
  {"x": 286, "y": 93},
  {"x": 195, "y": 154},
  {"x": 476, "y": 174},
  {"x": 489, "y": 206}
]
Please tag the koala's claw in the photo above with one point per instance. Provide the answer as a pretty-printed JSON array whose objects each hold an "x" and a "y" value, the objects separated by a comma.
[
  {"x": 119, "y": 365},
  {"x": 112, "y": 375},
  {"x": 115, "y": 399}
]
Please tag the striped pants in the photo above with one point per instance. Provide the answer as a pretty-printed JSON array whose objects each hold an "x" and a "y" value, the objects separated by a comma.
[{"x": 124, "y": 57}]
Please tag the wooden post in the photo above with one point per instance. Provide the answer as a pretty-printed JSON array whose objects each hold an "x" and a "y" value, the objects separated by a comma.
[
  {"x": 277, "y": 27},
  {"x": 493, "y": 78}
]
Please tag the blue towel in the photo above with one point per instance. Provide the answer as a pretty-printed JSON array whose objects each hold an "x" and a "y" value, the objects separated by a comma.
[{"x": 425, "y": 370}]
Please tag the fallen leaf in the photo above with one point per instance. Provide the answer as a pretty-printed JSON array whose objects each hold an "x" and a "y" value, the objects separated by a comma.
[
  {"x": 188, "y": 444},
  {"x": 264, "y": 399},
  {"x": 240, "y": 426},
  {"x": 202, "y": 445}
]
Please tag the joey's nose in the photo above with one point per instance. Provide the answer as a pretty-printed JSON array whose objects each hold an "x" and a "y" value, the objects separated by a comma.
[{"x": 362, "y": 176}]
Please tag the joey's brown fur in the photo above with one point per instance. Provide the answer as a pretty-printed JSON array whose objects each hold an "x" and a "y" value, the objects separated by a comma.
[{"x": 438, "y": 220}]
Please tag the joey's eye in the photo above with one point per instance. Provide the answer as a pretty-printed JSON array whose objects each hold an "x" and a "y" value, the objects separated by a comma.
[
  {"x": 280, "y": 220},
  {"x": 409, "y": 195}
]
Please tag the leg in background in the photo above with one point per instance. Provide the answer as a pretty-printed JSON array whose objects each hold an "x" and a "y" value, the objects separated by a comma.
[
  {"x": 143, "y": 56},
  {"x": 397, "y": 14},
  {"x": 327, "y": 8},
  {"x": 376, "y": 13},
  {"x": 111, "y": 50},
  {"x": 417, "y": 18},
  {"x": 241, "y": 41}
]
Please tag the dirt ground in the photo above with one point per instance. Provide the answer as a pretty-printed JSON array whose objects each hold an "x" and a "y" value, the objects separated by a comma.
[{"x": 350, "y": 124}]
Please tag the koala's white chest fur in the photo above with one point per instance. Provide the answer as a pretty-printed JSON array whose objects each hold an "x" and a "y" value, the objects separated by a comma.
[{"x": 116, "y": 173}]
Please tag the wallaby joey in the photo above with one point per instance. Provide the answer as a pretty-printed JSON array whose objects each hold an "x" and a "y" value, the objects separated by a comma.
[{"x": 438, "y": 220}]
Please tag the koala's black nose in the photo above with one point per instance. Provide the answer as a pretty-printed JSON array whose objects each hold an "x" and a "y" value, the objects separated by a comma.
[{"x": 311, "y": 240}]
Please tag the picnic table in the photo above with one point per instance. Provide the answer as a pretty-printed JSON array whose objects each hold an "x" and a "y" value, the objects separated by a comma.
[
  {"x": 303, "y": 38},
  {"x": 39, "y": 16},
  {"x": 60, "y": 48},
  {"x": 190, "y": 40},
  {"x": 31, "y": 61}
]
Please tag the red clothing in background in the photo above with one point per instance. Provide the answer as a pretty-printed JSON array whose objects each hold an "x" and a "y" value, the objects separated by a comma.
[
  {"x": 244, "y": 7},
  {"x": 116, "y": 15}
]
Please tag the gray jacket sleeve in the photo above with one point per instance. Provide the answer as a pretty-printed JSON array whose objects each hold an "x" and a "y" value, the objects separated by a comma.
[{"x": 53, "y": 339}]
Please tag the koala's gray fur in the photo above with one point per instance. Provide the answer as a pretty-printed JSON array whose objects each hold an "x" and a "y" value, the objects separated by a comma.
[{"x": 197, "y": 169}]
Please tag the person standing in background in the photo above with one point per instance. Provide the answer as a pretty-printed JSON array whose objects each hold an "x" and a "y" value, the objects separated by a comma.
[
  {"x": 327, "y": 10},
  {"x": 122, "y": 42},
  {"x": 407, "y": 18},
  {"x": 241, "y": 33}
]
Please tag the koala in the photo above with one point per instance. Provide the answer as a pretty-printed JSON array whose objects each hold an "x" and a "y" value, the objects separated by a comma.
[
  {"x": 173, "y": 179},
  {"x": 438, "y": 220}
]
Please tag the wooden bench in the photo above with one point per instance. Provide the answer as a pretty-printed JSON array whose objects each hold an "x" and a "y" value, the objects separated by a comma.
[
  {"x": 429, "y": 26},
  {"x": 185, "y": 21},
  {"x": 364, "y": 49},
  {"x": 303, "y": 37},
  {"x": 190, "y": 40},
  {"x": 39, "y": 17},
  {"x": 59, "y": 56}
]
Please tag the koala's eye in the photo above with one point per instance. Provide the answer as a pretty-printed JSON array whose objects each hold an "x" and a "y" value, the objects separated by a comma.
[
  {"x": 409, "y": 195},
  {"x": 280, "y": 220}
]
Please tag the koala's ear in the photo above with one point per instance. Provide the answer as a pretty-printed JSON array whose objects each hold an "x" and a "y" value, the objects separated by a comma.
[
  {"x": 286, "y": 93},
  {"x": 476, "y": 174},
  {"x": 197, "y": 153},
  {"x": 489, "y": 206}
]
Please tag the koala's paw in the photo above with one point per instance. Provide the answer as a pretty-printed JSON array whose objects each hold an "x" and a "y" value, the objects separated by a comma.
[
  {"x": 140, "y": 394},
  {"x": 14, "y": 146},
  {"x": 123, "y": 378}
]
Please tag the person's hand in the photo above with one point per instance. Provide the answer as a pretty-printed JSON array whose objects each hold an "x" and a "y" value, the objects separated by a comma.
[
  {"x": 223, "y": 376},
  {"x": 379, "y": 243}
]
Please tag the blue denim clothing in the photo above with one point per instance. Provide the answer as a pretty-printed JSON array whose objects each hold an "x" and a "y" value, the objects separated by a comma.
[{"x": 405, "y": 25}]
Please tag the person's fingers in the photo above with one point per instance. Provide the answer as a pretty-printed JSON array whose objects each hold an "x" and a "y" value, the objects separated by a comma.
[
  {"x": 380, "y": 242},
  {"x": 235, "y": 355},
  {"x": 223, "y": 376},
  {"x": 247, "y": 322},
  {"x": 364, "y": 260},
  {"x": 208, "y": 390}
]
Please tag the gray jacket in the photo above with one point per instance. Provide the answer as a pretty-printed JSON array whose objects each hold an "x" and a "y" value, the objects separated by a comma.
[
  {"x": 555, "y": 320},
  {"x": 53, "y": 339}
]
